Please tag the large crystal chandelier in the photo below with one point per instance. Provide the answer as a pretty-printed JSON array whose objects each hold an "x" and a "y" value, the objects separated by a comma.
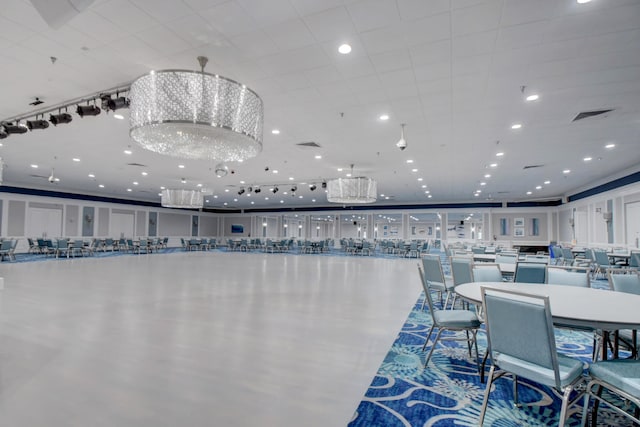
[
  {"x": 352, "y": 190},
  {"x": 179, "y": 198},
  {"x": 195, "y": 115}
]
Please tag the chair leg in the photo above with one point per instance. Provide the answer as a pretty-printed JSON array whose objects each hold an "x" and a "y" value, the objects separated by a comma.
[
  {"x": 428, "y": 337},
  {"x": 585, "y": 407},
  {"x": 485, "y": 400},
  {"x": 515, "y": 391},
  {"x": 594, "y": 409},
  {"x": 433, "y": 347},
  {"x": 565, "y": 403}
]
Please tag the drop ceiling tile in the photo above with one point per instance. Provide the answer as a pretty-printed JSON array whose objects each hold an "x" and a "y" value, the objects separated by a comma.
[
  {"x": 373, "y": 14},
  {"x": 126, "y": 16},
  {"x": 355, "y": 67},
  {"x": 392, "y": 60},
  {"x": 430, "y": 53},
  {"x": 163, "y": 40},
  {"x": 199, "y": 5},
  {"x": 330, "y": 24},
  {"x": 416, "y": 9},
  {"x": 230, "y": 19},
  {"x": 521, "y": 36},
  {"x": 523, "y": 11},
  {"x": 323, "y": 75},
  {"x": 195, "y": 30},
  {"x": 47, "y": 48},
  {"x": 134, "y": 50},
  {"x": 429, "y": 29},
  {"x": 430, "y": 72},
  {"x": 364, "y": 84},
  {"x": 12, "y": 31},
  {"x": 383, "y": 39},
  {"x": 97, "y": 27},
  {"x": 476, "y": 19},
  {"x": 28, "y": 15},
  {"x": 267, "y": 13},
  {"x": 397, "y": 78},
  {"x": 291, "y": 34},
  {"x": 475, "y": 44},
  {"x": 254, "y": 44},
  {"x": 163, "y": 11},
  {"x": 308, "y": 7},
  {"x": 479, "y": 65}
]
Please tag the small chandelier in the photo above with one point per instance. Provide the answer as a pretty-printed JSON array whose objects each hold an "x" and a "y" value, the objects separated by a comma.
[
  {"x": 179, "y": 198},
  {"x": 352, "y": 190},
  {"x": 195, "y": 115}
]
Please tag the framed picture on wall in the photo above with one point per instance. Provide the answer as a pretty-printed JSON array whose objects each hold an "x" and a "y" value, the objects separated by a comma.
[
  {"x": 518, "y": 222},
  {"x": 518, "y": 231}
]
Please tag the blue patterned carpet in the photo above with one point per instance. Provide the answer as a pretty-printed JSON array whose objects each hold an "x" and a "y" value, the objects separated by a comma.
[{"x": 449, "y": 391}]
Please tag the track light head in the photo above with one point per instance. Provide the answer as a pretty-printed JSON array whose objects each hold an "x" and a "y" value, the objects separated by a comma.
[
  {"x": 37, "y": 124},
  {"x": 62, "y": 118},
  {"x": 3, "y": 133},
  {"x": 293, "y": 189},
  {"x": 88, "y": 110},
  {"x": 324, "y": 184},
  {"x": 257, "y": 190},
  {"x": 241, "y": 192},
  {"x": 275, "y": 190},
  {"x": 17, "y": 128},
  {"x": 250, "y": 189},
  {"x": 312, "y": 187},
  {"x": 114, "y": 104}
]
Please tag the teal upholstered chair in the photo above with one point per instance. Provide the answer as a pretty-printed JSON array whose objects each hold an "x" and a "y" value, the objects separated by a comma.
[
  {"x": 486, "y": 272},
  {"x": 620, "y": 377},
  {"x": 531, "y": 355},
  {"x": 629, "y": 283},
  {"x": 530, "y": 272},
  {"x": 435, "y": 277},
  {"x": 557, "y": 275},
  {"x": 449, "y": 320}
]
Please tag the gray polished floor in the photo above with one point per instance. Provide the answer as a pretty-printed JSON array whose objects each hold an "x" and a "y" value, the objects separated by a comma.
[{"x": 196, "y": 339}]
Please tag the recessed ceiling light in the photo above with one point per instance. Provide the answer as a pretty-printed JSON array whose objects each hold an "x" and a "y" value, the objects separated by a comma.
[
  {"x": 226, "y": 190},
  {"x": 488, "y": 175},
  {"x": 235, "y": 200},
  {"x": 384, "y": 117},
  {"x": 101, "y": 185},
  {"x": 414, "y": 170},
  {"x": 344, "y": 49},
  {"x": 318, "y": 156},
  {"x": 127, "y": 152},
  {"x": 529, "y": 193},
  {"x": 300, "y": 197},
  {"x": 547, "y": 182},
  {"x": 128, "y": 189},
  {"x": 290, "y": 178},
  {"x": 284, "y": 192},
  {"x": 566, "y": 171},
  {"x": 500, "y": 154},
  {"x": 427, "y": 192},
  {"x": 313, "y": 200},
  {"x": 274, "y": 171},
  {"x": 144, "y": 173},
  {"x": 181, "y": 166},
  {"x": 184, "y": 181},
  {"x": 386, "y": 198},
  {"x": 225, "y": 203},
  {"x": 207, "y": 200},
  {"x": 516, "y": 126},
  {"x": 409, "y": 161},
  {"x": 533, "y": 97},
  {"x": 215, "y": 196},
  {"x": 339, "y": 169},
  {"x": 118, "y": 116},
  {"x": 538, "y": 187},
  {"x": 493, "y": 165},
  {"x": 420, "y": 179},
  {"x": 582, "y": 1},
  {"x": 199, "y": 185},
  {"x": 483, "y": 183},
  {"x": 252, "y": 203},
  {"x": 241, "y": 182},
  {"x": 587, "y": 159},
  {"x": 266, "y": 198},
  {"x": 75, "y": 159},
  {"x": 34, "y": 166},
  {"x": 281, "y": 201},
  {"x": 348, "y": 175},
  {"x": 91, "y": 175},
  {"x": 429, "y": 196},
  {"x": 475, "y": 194},
  {"x": 162, "y": 188},
  {"x": 424, "y": 185},
  {"x": 610, "y": 146},
  {"x": 275, "y": 131}
]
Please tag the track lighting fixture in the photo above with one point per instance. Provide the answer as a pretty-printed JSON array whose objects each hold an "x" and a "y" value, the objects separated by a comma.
[
  {"x": 62, "y": 118},
  {"x": 17, "y": 128},
  {"x": 88, "y": 110},
  {"x": 241, "y": 192},
  {"x": 324, "y": 184},
  {"x": 250, "y": 189},
  {"x": 275, "y": 190},
  {"x": 257, "y": 190},
  {"x": 3, "y": 133},
  {"x": 312, "y": 187},
  {"x": 37, "y": 124},
  {"x": 293, "y": 189},
  {"x": 114, "y": 104}
]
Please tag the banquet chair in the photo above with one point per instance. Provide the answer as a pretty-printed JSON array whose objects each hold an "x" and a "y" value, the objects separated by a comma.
[
  {"x": 449, "y": 321},
  {"x": 460, "y": 272},
  {"x": 486, "y": 272},
  {"x": 533, "y": 355},
  {"x": 62, "y": 247},
  {"x": 434, "y": 275},
  {"x": 530, "y": 272},
  {"x": 572, "y": 276},
  {"x": 601, "y": 262},
  {"x": 5, "y": 249},
  {"x": 620, "y": 377},
  {"x": 629, "y": 283}
]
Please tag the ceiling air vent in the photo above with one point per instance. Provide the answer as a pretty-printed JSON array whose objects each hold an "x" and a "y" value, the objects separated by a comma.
[
  {"x": 593, "y": 113},
  {"x": 309, "y": 144},
  {"x": 136, "y": 164},
  {"x": 532, "y": 166}
]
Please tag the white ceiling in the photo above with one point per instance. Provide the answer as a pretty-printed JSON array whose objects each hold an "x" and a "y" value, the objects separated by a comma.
[{"x": 452, "y": 70}]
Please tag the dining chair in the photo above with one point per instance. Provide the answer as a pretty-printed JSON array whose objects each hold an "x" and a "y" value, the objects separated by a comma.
[
  {"x": 486, "y": 272},
  {"x": 434, "y": 275},
  {"x": 601, "y": 262},
  {"x": 530, "y": 272},
  {"x": 449, "y": 321},
  {"x": 629, "y": 283},
  {"x": 521, "y": 343},
  {"x": 621, "y": 379},
  {"x": 460, "y": 272},
  {"x": 573, "y": 276},
  {"x": 5, "y": 248}
]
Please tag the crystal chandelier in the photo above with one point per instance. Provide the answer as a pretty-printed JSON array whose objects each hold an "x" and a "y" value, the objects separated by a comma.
[
  {"x": 352, "y": 190},
  {"x": 195, "y": 115},
  {"x": 178, "y": 198}
]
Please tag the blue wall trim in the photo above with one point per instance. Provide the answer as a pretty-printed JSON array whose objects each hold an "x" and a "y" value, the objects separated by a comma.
[
  {"x": 612, "y": 185},
  {"x": 75, "y": 196},
  {"x": 379, "y": 207},
  {"x": 534, "y": 204}
]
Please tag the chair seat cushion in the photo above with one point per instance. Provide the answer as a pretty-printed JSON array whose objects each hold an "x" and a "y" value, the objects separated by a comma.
[
  {"x": 456, "y": 319},
  {"x": 621, "y": 373},
  {"x": 569, "y": 368}
]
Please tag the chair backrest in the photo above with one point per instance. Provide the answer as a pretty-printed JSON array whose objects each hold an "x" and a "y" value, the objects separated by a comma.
[
  {"x": 478, "y": 250},
  {"x": 520, "y": 326},
  {"x": 629, "y": 283},
  {"x": 461, "y": 270},
  {"x": 567, "y": 254},
  {"x": 540, "y": 259},
  {"x": 601, "y": 258},
  {"x": 503, "y": 258},
  {"x": 433, "y": 269},
  {"x": 6, "y": 245},
  {"x": 634, "y": 259},
  {"x": 530, "y": 272},
  {"x": 485, "y": 272},
  {"x": 567, "y": 277},
  {"x": 427, "y": 295}
]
